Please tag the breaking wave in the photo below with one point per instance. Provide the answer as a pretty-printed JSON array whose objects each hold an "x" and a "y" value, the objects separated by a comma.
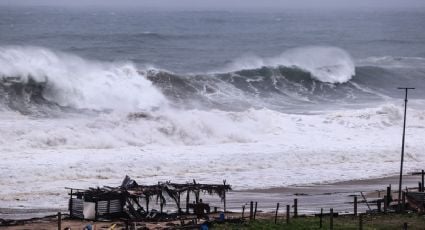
[
  {"x": 35, "y": 79},
  {"x": 122, "y": 105},
  {"x": 33, "y": 74},
  {"x": 326, "y": 64}
]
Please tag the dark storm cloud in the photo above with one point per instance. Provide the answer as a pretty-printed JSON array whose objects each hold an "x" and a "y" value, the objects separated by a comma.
[{"x": 227, "y": 4}]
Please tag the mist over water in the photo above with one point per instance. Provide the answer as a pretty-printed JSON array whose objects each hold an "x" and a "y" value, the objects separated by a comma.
[{"x": 253, "y": 95}]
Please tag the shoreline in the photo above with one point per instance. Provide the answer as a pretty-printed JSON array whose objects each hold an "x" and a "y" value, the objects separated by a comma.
[{"x": 311, "y": 198}]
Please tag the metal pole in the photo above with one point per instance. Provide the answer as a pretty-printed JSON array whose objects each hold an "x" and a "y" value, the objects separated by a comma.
[{"x": 402, "y": 145}]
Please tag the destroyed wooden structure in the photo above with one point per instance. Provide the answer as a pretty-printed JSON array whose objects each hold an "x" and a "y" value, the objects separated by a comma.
[
  {"x": 416, "y": 201},
  {"x": 126, "y": 201}
]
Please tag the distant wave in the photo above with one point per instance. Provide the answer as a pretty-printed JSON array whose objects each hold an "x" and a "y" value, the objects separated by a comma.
[
  {"x": 393, "y": 62},
  {"x": 326, "y": 64}
]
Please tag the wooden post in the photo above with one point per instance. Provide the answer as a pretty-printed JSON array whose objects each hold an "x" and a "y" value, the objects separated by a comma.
[
  {"x": 275, "y": 216},
  {"x": 224, "y": 201},
  {"x": 224, "y": 196},
  {"x": 321, "y": 218},
  {"x": 255, "y": 210},
  {"x": 295, "y": 208},
  {"x": 147, "y": 203},
  {"x": 251, "y": 210},
  {"x": 406, "y": 89},
  {"x": 59, "y": 221},
  {"x": 243, "y": 211},
  {"x": 288, "y": 213},
  {"x": 331, "y": 220},
  {"x": 378, "y": 203},
  {"x": 388, "y": 195},
  {"x": 187, "y": 201},
  {"x": 197, "y": 196},
  {"x": 355, "y": 205},
  {"x": 178, "y": 204},
  {"x": 419, "y": 187},
  {"x": 422, "y": 179},
  {"x": 70, "y": 206},
  {"x": 360, "y": 222},
  {"x": 405, "y": 226}
]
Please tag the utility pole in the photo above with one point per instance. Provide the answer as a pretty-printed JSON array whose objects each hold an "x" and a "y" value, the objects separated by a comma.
[{"x": 406, "y": 89}]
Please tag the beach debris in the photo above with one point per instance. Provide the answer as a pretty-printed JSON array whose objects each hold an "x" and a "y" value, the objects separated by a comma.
[
  {"x": 125, "y": 201},
  {"x": 416, "y": 201},
  {"x": 365, "y": 200}
]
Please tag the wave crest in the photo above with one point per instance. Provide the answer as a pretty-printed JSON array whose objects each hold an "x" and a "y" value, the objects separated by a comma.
[
  {"x": 71, "y": 81},
  {"x": 326, "y": 64}
]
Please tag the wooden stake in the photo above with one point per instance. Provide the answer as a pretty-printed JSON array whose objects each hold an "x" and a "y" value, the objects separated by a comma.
[
  {"x": 243, "y": 211},
  {"x": 224, "y": 201},
  {"x": 59, "y": 221},
  {"x": 355, "y": 205},
  {"x": 288, "y": 213},
  {"x": 178, "y": 204},
  {"x": 275, "y": 216},
  {"x": 388, "y": 195},
  {"x": 187, "y": 201},
  {"x": 295, "y": 208},
  {"x": 224, "y": 197},
  {"x": 331, "y": 220},
  {"x": 321, "y": 218},
  {"x": 70, "y": 205}
]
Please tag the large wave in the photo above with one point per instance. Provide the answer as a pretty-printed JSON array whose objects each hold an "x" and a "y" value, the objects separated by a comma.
[
  {"x": 31, "y": 74},
  {"x": 35, "y": 78}
]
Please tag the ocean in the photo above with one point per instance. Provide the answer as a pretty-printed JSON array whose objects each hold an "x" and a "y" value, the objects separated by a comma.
[{"x": 260, "y": 99}]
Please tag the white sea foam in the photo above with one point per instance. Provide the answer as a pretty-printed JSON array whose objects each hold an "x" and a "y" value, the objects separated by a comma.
[
  {"x": 251, "y": 149},
  {"x": 326, "y": 64},
  {"x": 80, "y": 83}
]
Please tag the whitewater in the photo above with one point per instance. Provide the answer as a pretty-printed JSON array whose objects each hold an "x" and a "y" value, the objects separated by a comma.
[
  {"x": 262, "y": 100},
  {"x": 68, "y": 121}
]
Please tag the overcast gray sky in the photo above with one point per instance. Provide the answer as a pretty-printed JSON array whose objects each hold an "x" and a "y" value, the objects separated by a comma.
[{"x": 228, "y": 4}]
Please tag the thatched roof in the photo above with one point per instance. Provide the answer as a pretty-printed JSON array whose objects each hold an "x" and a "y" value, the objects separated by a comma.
[{"x": 130, "y": 187}]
